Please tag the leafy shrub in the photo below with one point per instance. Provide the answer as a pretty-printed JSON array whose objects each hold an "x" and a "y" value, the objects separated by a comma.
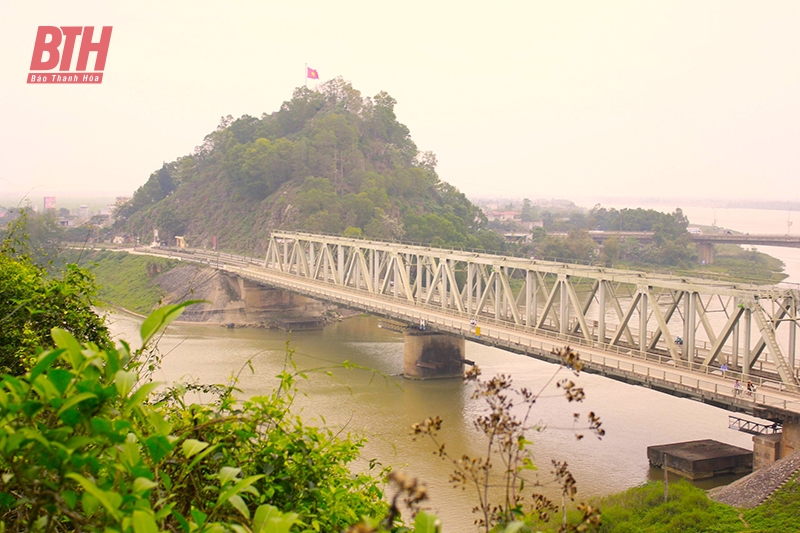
[
  {"x": 688, "y": 509},
  {"x": 32, "y": 303},
  {"x": 83, "y": 447}
]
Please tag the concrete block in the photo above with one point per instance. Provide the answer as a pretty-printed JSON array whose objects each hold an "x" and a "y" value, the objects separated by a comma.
[{"x": 701, "y": 459}]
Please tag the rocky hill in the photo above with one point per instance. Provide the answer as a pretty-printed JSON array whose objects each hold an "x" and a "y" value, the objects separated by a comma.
[{"x": 328, "y": 161}]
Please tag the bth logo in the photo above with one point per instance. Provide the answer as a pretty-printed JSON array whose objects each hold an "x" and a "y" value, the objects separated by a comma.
[{"x": 48, "y": 54}]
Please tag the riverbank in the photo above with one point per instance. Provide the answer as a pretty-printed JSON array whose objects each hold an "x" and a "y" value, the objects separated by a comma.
[
  {"x": 689, "y": 509},
  {"x": 766, "y": 500},
  {"x": 124, "y": 280},
  {"x": 731, "y": 263},
  {"x": 138, "y": 284},
  {"x": 753, "y": 489}
]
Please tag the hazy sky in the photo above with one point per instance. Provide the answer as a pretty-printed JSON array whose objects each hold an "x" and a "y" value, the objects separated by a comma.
[{"x": 523, "y": 98}]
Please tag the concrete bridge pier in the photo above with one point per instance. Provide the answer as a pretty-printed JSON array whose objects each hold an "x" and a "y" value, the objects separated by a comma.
[
  {"x": 790, "y": 441},
  {"x": 260, "y": 298},
  {"x": 255, "y": 297},
  {"x": 429, "y": 355},
  {"x": 705, "y": 253},
  {"x": 769, "y": 448}
]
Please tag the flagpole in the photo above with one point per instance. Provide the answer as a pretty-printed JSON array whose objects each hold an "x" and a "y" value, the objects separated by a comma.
[{"x": 305, "y": 80}]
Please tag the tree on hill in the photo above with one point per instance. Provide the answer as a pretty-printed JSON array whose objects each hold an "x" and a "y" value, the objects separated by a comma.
[{"x": 328, "y": 160}]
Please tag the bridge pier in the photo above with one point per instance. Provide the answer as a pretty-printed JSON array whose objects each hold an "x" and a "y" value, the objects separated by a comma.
[
  {"x": 255, "y": 297},
  {"x": 790, "y": 441},
  {"x": 259, "y": 298},
  {"x": 705, "y": 253},
  {"x": 429, "y": 355},
  {"x": 769, "y": 448},
  {"x": 766, "y": 449}
]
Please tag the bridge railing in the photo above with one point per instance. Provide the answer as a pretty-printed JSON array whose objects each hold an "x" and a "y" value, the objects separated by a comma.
[{"x": 752, "y": 427}]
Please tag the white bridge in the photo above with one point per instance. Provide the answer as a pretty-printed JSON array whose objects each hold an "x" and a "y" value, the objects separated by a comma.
[{"x": 685, "y": 336}]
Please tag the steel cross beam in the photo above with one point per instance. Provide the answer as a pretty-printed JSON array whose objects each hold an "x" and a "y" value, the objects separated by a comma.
[{"x": 736, "y": 324}]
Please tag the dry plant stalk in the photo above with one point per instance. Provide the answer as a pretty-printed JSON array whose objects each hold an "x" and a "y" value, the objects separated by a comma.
[{"x": 508, "y": 454}]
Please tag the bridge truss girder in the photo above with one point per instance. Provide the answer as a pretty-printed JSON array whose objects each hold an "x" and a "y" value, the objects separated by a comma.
[{"x": 752, "y": 329}]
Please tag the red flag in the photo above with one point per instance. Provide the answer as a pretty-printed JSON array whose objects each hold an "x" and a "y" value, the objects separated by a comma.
[{"x": 312, "y": 74}]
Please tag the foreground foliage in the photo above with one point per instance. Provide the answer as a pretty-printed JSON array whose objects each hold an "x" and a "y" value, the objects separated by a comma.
[
  {"x": 32, "y": 303},
  {"x": 83, "y": 446},
  {"x": 688, "y": 509}
]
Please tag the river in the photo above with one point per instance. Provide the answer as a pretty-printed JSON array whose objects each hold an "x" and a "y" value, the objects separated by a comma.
[{"x": 382, "y": 405}]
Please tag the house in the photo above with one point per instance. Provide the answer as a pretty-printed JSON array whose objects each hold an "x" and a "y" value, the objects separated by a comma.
[
  {"x": 504, "y": 216},
  {"x": 517, "y": 237}
]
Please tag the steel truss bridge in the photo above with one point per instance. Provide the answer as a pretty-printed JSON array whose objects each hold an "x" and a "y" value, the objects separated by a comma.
[{"x": 670, "y": 333}]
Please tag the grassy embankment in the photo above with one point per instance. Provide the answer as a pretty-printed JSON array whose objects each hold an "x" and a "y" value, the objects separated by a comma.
[
  {"x": 125, "y": 280},
  {"x": 643, "y": 510},
  {"x": 739, "y": 263},
  {"x": 731, "y": 262}
]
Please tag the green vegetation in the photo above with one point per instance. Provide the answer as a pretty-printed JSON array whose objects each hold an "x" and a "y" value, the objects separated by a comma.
[
  {"x": 643, "y": 510},
  {"x": 36, "y": 236},
  {"x": 32, "y": 303},
  {"x": 781, "y": 512},
  {"x": 670, "y": 246},
  {"x": 564, "y": 236},
  {"x": 87, "y": 445},
  {"x": 731, "y": 263},
  {"x": 328, "y": 161},
  {"x": 125, "y": 280},
  {"x": 688, "y": 509},
  {"x": 739, "y": 263}
]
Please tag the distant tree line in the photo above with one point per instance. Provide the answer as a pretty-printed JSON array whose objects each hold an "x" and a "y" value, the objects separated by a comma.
[{"x": 671, "y": 244}]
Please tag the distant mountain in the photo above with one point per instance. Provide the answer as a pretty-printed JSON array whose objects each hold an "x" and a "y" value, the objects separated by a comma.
[{"x": 328, "y": 161}]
